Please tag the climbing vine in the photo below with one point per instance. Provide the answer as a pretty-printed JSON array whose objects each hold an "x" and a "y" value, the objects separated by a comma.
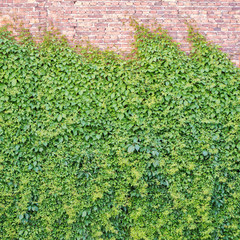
[{"x": 97, "y": 146}]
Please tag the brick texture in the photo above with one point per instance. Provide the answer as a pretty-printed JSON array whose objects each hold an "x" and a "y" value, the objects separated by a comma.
[{"x": 104, "y": 23}]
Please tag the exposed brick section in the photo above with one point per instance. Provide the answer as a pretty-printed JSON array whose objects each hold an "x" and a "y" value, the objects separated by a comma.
[{"x": 101, "y": 22}]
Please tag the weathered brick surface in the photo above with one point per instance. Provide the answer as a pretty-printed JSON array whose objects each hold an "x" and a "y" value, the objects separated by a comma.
[{"x": 102, "y": 22}]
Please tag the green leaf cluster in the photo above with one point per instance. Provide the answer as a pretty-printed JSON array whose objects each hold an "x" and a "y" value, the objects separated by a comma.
[{"x": 97, "y": 146}]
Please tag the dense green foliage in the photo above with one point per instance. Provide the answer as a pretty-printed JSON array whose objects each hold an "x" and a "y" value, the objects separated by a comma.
[{"x": 94, "y": 146}]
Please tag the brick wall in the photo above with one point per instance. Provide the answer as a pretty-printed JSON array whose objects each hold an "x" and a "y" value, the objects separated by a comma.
[{"x": 102, "y": 22}]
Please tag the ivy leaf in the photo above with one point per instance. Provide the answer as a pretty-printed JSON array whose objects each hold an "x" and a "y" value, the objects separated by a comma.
[
  {"x": 137, "y": 147},
  {"x": 205, "y": 153},
  {"x": 155, "y": 153},
  {"x": 156, "y": 163},
  {"x": 98, "y": 136},
  {"x": 120, "y": 116},
  {"x": 14, "y": 82},
  {"x": 131, "y": 149},
  {"x": 59, "y": 118}
]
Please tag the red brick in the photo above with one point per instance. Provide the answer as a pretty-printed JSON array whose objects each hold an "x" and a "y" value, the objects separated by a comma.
[{"x": 102, "y": 21}]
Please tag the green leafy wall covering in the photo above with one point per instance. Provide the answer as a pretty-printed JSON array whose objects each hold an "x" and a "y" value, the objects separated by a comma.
[{"x": 97, "y": 146}]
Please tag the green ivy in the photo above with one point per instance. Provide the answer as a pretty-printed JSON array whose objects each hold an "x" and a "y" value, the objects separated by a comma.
[{"x": 97, "y": 146}]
